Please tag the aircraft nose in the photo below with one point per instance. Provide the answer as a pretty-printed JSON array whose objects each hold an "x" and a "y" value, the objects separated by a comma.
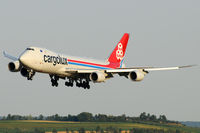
[{"x": 24, "y": 58}]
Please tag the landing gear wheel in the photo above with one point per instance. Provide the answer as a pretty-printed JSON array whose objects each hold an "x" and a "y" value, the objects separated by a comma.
[
  {"x": 56, "y": 84},
  {"x": 66, "y": 83},
  {"x": 88, "y": 86},
  {"x": 84, "y": 84},
  {"x": 77, "y": 84},
  {"x": 70, "y": 83},
  {"x": 54, "y": 80}
]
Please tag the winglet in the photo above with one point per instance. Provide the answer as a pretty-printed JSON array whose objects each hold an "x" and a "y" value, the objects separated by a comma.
[
  {"x": 4, "y": 53},
  {"x": 9, "y": 56},
  {"x": 188, "y": 66},
  {"x": 167, "y": 68}
]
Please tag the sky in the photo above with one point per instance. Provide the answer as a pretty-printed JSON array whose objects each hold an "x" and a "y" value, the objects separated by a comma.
[{"x": 162, "y": 33}]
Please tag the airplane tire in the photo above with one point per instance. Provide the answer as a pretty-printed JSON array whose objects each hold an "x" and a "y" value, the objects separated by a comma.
[
  {"x": 56, "y": 84},
  {"x": 71, "y": 84},
  {"x": 52, "y": 84},
  {"x": 77, "y": 84},
  {"x": 88, "y": 86}
]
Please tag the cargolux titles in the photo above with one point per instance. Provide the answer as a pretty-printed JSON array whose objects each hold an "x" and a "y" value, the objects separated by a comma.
[{"x": 55, "y": 59}]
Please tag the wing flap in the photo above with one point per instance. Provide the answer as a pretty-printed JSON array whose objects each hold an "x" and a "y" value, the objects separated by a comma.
[
  {"x": 162, "y": 68},
  {"x": 121, "y": 70}
]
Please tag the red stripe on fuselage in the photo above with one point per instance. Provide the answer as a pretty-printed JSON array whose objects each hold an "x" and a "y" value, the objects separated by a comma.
[{"x": 110, "y": 65}]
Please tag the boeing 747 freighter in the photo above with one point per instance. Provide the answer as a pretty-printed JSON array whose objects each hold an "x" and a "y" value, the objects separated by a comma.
[{"x": 78, "y": 70}]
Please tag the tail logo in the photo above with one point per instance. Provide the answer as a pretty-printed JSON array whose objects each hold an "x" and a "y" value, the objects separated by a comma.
[{"x": 119, "y": 52}]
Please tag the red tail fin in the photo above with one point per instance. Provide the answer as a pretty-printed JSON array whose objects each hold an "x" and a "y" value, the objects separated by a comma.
[{"x": 118, "y": 53}]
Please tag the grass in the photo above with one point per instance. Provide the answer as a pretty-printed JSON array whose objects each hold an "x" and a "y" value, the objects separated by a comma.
[{"x": 29, "y": 125}]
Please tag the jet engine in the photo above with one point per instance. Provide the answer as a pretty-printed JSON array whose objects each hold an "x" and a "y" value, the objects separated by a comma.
[
  {"x": 97, "y": 77},
  {"x": 24, "y": 72},
  {"x": 14, "y": 66},
  {"x": 136, "y": 76}
]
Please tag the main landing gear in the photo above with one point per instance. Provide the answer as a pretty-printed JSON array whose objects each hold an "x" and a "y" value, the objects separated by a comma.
[
  {"x": 54, "y": 80},
  {"x": 70, "y": 83},
  {"x": 85, "y": 84},
  {"x": 79, "y": 83}
]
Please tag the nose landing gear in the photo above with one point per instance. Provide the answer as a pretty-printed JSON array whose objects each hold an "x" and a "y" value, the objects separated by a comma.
[{"x": 30, "y": 74}]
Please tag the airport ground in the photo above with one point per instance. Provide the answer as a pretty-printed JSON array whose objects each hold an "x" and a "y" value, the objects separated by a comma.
[{"x": 41, "y": 126}]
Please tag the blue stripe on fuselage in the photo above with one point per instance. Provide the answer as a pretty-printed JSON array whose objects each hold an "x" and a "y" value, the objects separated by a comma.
[
  {"x": 86, "y": 65},
  {"x": 121, "y": 63}
]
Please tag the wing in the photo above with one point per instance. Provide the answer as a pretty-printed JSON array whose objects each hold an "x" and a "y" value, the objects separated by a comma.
[
  {"x": 9, "y": 56},
  {"x": 146, "y": 69},
  {"x": 125, "y": 70},
  {"x": 133, "y": 73}
]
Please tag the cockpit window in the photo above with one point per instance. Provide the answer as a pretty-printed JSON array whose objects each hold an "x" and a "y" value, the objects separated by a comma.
[{"x": 30, "y": 49}]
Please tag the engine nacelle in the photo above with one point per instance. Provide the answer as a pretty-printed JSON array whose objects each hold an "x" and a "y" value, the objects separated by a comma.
[
  {"x": 24, "y": 72},
  {"x": 14, "y": 66},
  {"x": 97, "y": 77},
  {"x": 136, "y": 76}
]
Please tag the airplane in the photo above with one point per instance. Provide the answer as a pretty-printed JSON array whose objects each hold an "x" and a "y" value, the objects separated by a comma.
[{"x": 78, "y": 70}]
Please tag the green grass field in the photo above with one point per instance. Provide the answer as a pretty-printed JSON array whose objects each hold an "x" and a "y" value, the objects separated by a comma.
[{"x": 29, "y": 125}]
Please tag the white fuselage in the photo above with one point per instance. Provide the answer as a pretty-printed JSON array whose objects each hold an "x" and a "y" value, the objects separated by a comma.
[{"x": 45, "y": 61}]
